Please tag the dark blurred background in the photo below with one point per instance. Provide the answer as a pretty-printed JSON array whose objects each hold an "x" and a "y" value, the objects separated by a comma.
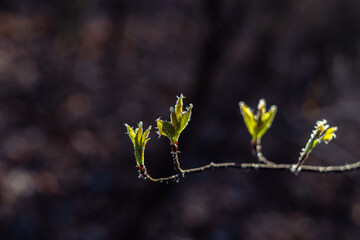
[{"x": 72, "y": 72}]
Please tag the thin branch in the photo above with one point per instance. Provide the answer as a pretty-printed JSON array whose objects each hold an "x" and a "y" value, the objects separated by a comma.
[
  {"x": 257, "y": 167},
  {"x": 264, "y": 164},
  {"x": 301, "y": 161},
  {"x": 257, "y": 151},
  {"x": 176, "y": 161}
]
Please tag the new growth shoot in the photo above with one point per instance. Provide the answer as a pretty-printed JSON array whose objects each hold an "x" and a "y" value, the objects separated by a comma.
[{"x": 257, "y": 123}]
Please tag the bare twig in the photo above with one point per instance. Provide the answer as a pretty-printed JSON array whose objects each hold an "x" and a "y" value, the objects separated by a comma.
[
  {"x": 178, "y": 168},
  {"x": 302, "y": 160},
  {"x": 256, "y": 149},
  {"x": 257, "y": 167}
]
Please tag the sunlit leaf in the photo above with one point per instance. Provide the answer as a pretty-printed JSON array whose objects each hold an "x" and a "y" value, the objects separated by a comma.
[
  {"x": 145, "y": 135},
  {"x": 138, "y": 134},
  {"x": 139, "y": 140},
  {"x": 329, "y": 134},
  {"x": 258, "y": 124},
  {"x": 130, "y": 132},
  {"x": 178, "y": 121},
  {"x": 321, "y": 133},
  {"x": 173, "y": 117},
  {"x": 179, "y": 106},
  {"x": 184, "y": 120},
  {"x": 165, "y": 128},
  {"x": 266, "y": 121},
  {"x": 248, "y": 117}
]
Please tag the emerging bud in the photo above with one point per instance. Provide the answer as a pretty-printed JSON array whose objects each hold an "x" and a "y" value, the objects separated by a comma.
[
  {"x": 179, "y": 119},
  {"x": 139, "y": 140},
  {"x": 258, "y": 124},
  {"x": 322, "y": 133}
]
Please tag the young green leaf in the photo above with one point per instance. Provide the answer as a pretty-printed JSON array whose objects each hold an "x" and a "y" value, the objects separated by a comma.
[
  {"x": 139, "y": 140},
  {"x": 173, "y": 117},
  {"x": 179, "y": 106},
  {"x": 184, "y": 119},
  {"x": 249, "y": 119},
  {"x": 131, "y": 133},
  {"x": 329, "y": 135},
  {"x": 258, "y": 124},
  {"x": 166, "y": 129},
  {"x": 266, "y": 121},
  {"x": 179, "y": 119},
  {"x": 321, "y": 133}
]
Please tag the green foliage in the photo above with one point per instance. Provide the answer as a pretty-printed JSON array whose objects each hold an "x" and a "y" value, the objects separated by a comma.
[
  {"x": 259, "y": 123},
  {"x": 322, "y": 133},
  {"x": 179, "y": 119},
  {"x": 139, "y": 140}
]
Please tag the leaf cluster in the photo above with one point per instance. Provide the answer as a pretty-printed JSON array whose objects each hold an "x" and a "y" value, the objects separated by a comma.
[
  {"x": 257, "y": 124},
  {"x": 179, "y": 119},
  {"x": 139, "y": 140}
]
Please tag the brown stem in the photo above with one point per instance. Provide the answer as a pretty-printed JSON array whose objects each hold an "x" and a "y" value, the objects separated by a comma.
[
  {"x": 179, "y": 170},
  {"x": 256, "y": 149},
  {"x": 301, "y": 161},
  {"x": 264, "y": 165},
  {"x": 258, "y": 167}
]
